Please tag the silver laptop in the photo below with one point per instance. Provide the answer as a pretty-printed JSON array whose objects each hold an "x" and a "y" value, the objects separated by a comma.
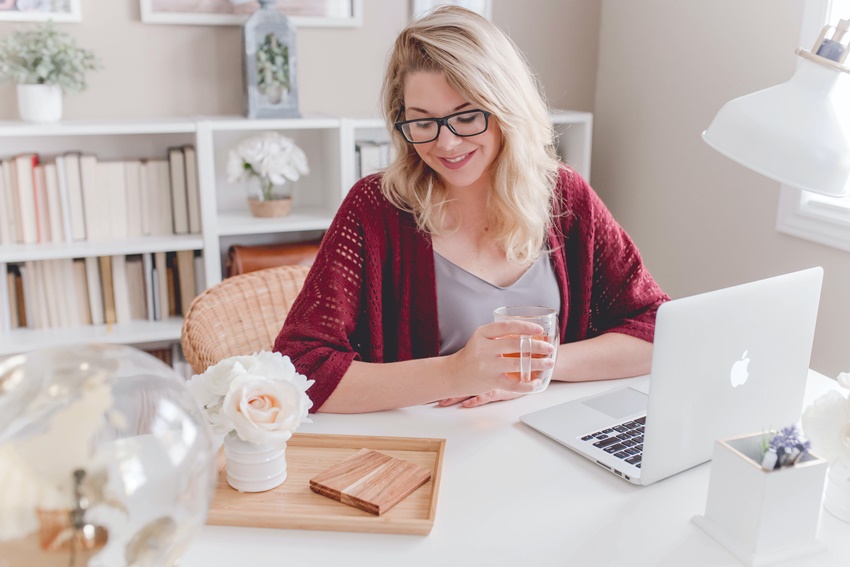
[{"x": 725, "y": 363}]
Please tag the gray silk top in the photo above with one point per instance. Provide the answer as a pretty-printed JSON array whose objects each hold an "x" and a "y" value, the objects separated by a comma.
[{"x": 465, "y": 301}]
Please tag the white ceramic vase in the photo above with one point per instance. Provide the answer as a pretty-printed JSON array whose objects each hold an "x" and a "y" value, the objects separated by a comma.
[
  {"x": 254, "y": 467},
  {"x": 40, "y": 103},
  {"x": 837, "y": 497}
]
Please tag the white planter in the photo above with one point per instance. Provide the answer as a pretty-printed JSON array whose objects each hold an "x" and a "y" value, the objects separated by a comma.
[
  {"x": 762, "y": 516},
  {"x": 837, "y": 499},
  {"x": 252, "y": 467},
  {"x": 40, "y": 103}
]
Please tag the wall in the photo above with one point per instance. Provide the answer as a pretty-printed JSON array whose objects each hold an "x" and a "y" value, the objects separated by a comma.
[
  {"x": 701, "y": 220},
  {"x": 167, "y": 70}
]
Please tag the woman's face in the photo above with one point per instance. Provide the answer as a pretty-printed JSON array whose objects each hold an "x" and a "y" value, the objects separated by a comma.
[{"x": 459, "y": 161}]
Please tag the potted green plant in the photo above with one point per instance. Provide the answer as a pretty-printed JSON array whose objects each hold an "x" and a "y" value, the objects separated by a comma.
[{"x": 45, "y": 63}]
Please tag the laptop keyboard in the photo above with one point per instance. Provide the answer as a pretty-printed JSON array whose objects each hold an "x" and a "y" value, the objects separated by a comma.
[{"x": 624, "y": 441}]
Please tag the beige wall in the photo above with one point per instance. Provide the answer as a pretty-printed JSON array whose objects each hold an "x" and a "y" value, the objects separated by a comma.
[
  {"x": 167, "y": 70},
  {"x": 701, "y": 220}
]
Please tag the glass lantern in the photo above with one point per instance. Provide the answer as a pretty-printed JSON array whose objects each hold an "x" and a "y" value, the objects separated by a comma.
[
  {"x": 270, "y": 71},
  {"x": 105, "y": 459}
]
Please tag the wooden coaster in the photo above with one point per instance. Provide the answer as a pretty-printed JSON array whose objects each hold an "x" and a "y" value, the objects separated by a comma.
[{"x": 369, "y": 480}]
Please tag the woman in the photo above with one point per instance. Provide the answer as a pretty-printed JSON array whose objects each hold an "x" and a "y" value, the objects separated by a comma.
[{"x": 396, "y": 310}]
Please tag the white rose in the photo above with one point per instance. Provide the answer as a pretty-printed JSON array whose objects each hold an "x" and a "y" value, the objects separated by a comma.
[
  {"x": 235, "y": 167},
  {"x": 252, "y": 150},
  {"x": 265, "y": 410},
  {"x": 827, "y": 425}
]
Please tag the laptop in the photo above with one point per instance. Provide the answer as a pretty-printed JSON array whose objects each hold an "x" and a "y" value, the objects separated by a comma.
[{"x": 724, "y": 363}]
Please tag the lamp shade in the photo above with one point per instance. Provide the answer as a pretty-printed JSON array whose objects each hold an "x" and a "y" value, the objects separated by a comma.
[{"x": 797, "y": 132}]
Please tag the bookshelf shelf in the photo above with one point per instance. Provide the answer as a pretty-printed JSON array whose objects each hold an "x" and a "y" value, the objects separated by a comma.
[
  {"x": 137, "y": 332},
  {"x": 241, "y": 222},
  {"x": 24, "y": 252}
]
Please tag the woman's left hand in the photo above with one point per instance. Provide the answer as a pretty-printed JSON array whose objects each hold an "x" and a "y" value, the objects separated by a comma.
[{"x": 485, "y": 398}]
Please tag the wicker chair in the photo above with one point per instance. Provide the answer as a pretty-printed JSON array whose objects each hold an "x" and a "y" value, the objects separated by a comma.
[{"x": 240, "y": 315}]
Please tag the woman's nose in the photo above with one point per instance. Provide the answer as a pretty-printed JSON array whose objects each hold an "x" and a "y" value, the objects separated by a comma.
[{"x": 447, "y": 139}]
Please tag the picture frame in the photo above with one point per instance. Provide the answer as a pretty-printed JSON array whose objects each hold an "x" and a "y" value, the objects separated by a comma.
[
  {"x": 40, "y": 11},
  {"x": 302, "y": 13},
  {"x": 482, "y": 7}
]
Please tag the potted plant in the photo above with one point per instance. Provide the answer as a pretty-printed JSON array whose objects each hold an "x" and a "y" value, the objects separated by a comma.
[
  {"x": 45, "y": 63},
  {"x": 764, "y": 496},
  {"x": 269, "y": 163},
  {"x": 273, "y": 68}
]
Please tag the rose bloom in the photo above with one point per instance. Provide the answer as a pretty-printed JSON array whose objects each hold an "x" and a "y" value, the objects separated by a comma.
[{"x": 263, "y": 410}]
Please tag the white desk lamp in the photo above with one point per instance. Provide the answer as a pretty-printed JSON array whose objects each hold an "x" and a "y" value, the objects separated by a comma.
[{"x": 797, "y": 132}]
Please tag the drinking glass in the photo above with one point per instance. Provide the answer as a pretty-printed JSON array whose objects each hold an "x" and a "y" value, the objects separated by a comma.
[{"x": 546, "y": 318}]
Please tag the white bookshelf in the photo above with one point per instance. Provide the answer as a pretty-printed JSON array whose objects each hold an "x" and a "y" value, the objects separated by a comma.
[{"x": 329, "y": 143}]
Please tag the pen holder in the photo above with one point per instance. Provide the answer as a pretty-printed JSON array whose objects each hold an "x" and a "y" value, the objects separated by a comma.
[{"x": 762, "y": 516}]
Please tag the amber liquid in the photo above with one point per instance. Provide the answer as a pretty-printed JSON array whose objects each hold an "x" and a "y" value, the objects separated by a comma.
[{"x": 534, "y": 373}]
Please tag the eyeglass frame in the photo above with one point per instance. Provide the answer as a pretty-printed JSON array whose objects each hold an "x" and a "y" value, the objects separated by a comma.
[{"x": 444, "y": 121}]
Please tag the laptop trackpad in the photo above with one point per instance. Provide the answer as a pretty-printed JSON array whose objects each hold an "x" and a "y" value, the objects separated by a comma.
[{"x": 619, "y": 403}]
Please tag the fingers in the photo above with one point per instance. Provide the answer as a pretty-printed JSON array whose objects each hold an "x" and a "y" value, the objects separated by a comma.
[
  {"x": 451, "y": 401},
  {"x": 491, "y": 396},
  {"x": 502, "y": 328}
]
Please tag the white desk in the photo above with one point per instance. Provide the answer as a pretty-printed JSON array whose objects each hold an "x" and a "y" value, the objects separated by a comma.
[{"x": 510, "y": 496}]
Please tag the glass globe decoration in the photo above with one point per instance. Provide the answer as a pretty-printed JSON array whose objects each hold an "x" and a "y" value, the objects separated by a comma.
[{"x": 105, "y": 459}]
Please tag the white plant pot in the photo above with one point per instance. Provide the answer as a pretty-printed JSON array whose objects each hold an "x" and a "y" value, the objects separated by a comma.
[
  {"x": 252, "y": 467},
  {"x": 40, "y": 103},
  {"x": 762, "y": 516}
]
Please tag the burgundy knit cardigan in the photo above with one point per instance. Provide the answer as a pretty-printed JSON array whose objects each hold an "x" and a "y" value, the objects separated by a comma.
[{"x": 371, "y": 293}]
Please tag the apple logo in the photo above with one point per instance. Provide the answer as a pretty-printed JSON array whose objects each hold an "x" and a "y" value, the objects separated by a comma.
[{"x": 739, "y": 374}]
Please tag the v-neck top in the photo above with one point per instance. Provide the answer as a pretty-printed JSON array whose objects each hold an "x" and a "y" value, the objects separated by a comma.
[{"x": 465, "y": 301}]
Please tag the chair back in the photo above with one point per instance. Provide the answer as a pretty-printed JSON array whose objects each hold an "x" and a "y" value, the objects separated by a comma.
[{"x": 240, "y": 315}]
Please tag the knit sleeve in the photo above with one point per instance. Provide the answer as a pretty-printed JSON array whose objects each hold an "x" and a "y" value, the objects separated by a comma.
[
  {"x": 320, "y": 332},
  {"x": 618, "y": 291}
]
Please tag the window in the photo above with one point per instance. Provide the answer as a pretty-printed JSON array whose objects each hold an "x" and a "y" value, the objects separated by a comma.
[{"x": 825, "y": 220}]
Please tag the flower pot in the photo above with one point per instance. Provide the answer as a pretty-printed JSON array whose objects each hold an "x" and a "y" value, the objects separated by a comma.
[
  {"x": 837, "y": 498},
  {"x": 268, "y": 209},
  {"x": 762, "y": 516},
  {"x": 254, "y": 467},
  {"x": 40, "y": 103}
]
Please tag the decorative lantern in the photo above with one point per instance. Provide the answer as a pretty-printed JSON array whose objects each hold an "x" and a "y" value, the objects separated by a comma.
[{"x": 270, "y": 71}]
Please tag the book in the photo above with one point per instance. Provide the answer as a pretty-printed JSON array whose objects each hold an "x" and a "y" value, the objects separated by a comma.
[
  {"x": 136, "y": 287},
  {"x": 81, "y": 289},
  {"x": 24, "y": 167},
  {"x": 193, "y": 196},
  {"x": 135, "y": 205},
  {"x": 26, "y": 297},
  {"x": 111, "y": 180},
  {"x": 50, "y": 284},
  {"x": 7, "y": 235},
  {"x": 41, "y": 211},
  {"x": 54, "y": 203},
  {"x": 200, "y": 276},
  {"x": 6, "y": 301},
  {"x": 159, "y": 188},
  {"x": 120, "y": 290},
  {"x": 150, "y": 288},
  {"x": 93, "y": 283},
  {"x": 370, "y": 480},
  {"x": 95, "y": 202},
  {"x": 12, "y": 291},
  {"x": 161, "y": 266},
  {"x": 108, "y": 289},
  {"x": 13, "y": 210},
  {"x": 64, "y": 199},
  {"x": 185, "y": 278},
  {"x": 74, "y": 182},
  {"x": 179, "y": 199},
  {"x": 19, "y": 297}
]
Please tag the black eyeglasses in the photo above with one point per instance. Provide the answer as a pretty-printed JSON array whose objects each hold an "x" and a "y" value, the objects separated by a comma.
[{"x": 463, "y": 124}]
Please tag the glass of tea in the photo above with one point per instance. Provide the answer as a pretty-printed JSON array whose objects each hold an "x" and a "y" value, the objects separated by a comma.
[{"x": 546, "y": 318}]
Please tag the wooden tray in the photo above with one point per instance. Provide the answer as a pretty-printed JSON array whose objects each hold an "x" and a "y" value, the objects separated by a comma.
[{"x": 294, "y": 505}]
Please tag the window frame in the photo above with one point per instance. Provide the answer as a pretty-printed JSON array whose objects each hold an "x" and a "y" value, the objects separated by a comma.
[{"x": 825, "y": 220}]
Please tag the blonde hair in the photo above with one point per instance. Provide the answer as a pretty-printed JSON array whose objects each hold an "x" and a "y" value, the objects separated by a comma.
[{"x": 482, "y": 64}]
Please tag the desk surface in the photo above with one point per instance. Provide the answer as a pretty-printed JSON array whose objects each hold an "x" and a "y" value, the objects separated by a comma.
[{"x": 510, "y": 496}]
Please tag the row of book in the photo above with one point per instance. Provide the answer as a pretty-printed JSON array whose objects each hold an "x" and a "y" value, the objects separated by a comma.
[
  {"x": 69, "y": 293},
  {"x": 76, "y": 197},
  {"x": 371, "y": 156}
]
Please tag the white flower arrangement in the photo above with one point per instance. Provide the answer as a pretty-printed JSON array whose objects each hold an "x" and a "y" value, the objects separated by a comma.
[
  {"x": 827, "y": 424},
  {"x": 270, "y": 157},
  {"x": 260, "y": 397}
]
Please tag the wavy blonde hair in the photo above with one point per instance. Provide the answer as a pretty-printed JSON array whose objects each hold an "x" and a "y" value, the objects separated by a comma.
[{"x": 482, "y": 64}]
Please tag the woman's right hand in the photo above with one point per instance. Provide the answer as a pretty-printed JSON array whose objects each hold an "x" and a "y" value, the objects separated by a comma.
[{"x": 482, "y": 364}]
